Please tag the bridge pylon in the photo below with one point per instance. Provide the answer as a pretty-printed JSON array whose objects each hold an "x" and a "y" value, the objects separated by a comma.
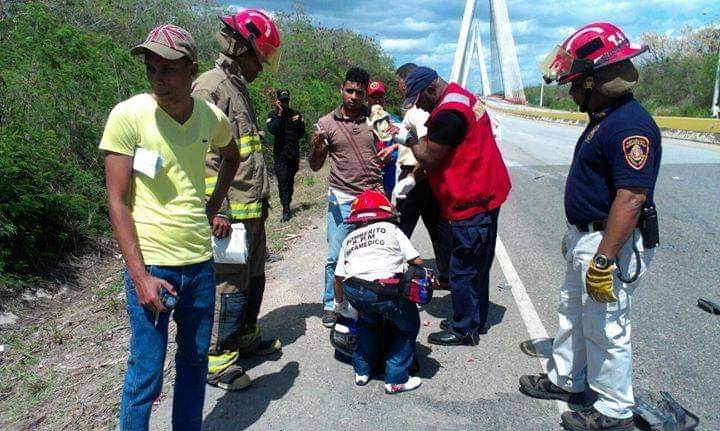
[{"x": 502, "y": 49}]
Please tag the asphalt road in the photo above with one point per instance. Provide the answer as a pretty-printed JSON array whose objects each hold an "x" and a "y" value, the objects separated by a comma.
[{"x": 675, "y": 344}]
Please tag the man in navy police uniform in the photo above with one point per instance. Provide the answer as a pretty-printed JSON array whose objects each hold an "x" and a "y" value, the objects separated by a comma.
[{"x": 612, "y": 229}]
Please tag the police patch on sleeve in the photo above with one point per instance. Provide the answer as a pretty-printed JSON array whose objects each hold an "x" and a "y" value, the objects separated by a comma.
[{"x": 636, "y": 150}]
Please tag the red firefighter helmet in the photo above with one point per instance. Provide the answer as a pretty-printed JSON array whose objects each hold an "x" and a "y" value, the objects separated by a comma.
[
  {"x": 593, "y": 46},
  {"x": 370, "y": 205},
  {"x": 260, "y": 30}
]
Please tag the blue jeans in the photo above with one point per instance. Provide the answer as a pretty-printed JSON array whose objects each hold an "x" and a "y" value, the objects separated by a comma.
[
  {"x": 337, "y": 230},
  {"x": 371, "y": 309},
  {"x": 195, "y": 285},
  {"x": 473, "y": 251}
]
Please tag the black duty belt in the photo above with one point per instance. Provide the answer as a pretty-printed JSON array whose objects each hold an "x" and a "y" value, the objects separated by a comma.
[
  {"x": 597, "y": 226},
  {"x": 592, "y": 226}
]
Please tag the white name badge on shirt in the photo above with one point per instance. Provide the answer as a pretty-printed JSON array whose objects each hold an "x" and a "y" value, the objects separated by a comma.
[
  {"x": 232, "y": 248},
  {"x": 147, "y": 162}
]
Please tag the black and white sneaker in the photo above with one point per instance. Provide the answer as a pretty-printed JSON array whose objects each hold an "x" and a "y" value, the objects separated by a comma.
[
  {"x": 329, "y": 318},
  {"x": 589, "y": 419},
  {"x": 541, "y": 387}
]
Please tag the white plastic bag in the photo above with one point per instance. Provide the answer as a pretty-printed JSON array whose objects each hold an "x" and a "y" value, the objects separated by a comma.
[{"x": 232, "y": 248}]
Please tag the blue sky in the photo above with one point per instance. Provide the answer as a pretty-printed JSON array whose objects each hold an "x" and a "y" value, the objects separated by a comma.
[{"x": 426, "y": 31}]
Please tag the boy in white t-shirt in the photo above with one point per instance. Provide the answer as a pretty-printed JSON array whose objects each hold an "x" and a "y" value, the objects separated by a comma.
[{"x": 377, "y": 249}]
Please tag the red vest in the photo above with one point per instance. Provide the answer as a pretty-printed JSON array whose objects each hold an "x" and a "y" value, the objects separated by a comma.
[{"x": 472, "y": 178}]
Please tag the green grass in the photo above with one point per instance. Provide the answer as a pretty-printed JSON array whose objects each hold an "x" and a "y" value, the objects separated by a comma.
[{"x": 21, "y": 384}]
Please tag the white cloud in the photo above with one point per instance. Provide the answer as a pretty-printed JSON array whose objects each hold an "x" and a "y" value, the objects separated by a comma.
[
  {"x": 520, "y": 28},
  {"x": 404, "y": 45},
  {"x": 411, "y": 24}
]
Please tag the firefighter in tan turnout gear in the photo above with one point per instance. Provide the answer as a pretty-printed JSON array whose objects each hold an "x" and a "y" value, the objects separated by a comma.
[{"x": 248, "y": 40}]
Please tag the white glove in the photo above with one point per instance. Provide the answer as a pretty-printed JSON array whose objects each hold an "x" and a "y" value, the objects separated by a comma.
[
  {"x": 401, "y": 135},
  {"x": 415, "y": 119},
  {"x": 403, "y": 187},
  {"x": 346, "y": 310}
]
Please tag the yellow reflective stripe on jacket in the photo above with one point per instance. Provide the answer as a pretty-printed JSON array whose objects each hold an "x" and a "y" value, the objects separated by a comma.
[
  {"x": 240, "y": 211},
  {"x": 210, "y": 185},
  {"x": 249, "y": 144}
]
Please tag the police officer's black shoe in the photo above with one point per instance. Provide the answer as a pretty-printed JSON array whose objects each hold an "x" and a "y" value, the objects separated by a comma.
[
  {"x": 446, "y": 338},
  {"x": 541, "y": 387},
  {"x": 592, "y": 420},
  {"x": 286, "y": 216}
]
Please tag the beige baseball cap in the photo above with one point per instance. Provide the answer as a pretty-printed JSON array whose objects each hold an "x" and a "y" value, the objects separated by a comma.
[{"x": 169, "y": 42}]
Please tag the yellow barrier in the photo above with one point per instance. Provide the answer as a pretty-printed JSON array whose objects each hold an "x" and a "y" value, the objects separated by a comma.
[{"x": 703, "y": 125}]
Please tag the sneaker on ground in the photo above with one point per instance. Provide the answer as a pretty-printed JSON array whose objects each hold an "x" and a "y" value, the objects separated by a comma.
[
  {"x": 361, "y": 380},
  {"x": 232, "y": 379},
  {"x": 329, "y": 318},
  {"x": 589, "y": 419},
  {"x": 540, "y": 386},
  {"x": 412, "y": 384}
]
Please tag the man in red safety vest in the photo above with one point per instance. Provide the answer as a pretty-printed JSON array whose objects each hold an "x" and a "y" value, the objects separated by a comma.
[{"x": 470, "y": 181}]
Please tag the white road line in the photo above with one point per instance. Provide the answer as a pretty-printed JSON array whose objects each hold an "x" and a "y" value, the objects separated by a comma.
[{"x": 527, "y": 310}]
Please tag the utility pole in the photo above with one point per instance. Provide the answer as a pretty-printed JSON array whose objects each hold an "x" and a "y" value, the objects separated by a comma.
[
  {"x": 715, "y": 108},
  {"x": 716, "y": 93}
]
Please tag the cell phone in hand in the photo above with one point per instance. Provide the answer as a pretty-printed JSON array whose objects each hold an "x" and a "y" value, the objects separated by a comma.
[{"x": 322, "y": 133}]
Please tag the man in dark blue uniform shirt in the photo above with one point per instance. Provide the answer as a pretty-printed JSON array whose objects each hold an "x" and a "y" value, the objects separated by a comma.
[
  {"x": 288, "y": 127},
  {"x": 609, "y": 204}
]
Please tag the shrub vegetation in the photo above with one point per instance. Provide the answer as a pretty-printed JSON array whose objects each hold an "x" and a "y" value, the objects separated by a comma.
[{"x": 65, "y": 64}]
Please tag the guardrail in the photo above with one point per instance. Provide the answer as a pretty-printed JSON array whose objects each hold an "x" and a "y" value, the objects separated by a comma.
[{"x": 701, "y": 125}]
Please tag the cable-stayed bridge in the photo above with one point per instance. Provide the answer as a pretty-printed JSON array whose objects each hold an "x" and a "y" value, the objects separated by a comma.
[{"x": 504, "y": 78}]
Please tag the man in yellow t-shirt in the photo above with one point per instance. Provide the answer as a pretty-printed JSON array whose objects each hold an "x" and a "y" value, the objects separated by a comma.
[{"x": 155, "y": 145}]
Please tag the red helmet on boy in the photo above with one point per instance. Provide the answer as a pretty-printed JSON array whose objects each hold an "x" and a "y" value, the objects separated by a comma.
[
  {"x": 370, "y": 205},
  {"x": 593, "y": 46}
]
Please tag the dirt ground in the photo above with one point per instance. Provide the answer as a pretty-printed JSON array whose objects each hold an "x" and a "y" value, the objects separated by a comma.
[{"x": 62, "y": 361}]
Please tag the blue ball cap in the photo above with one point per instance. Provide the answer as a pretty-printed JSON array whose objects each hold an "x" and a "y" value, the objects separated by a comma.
[{"x": 418, "y": 80}]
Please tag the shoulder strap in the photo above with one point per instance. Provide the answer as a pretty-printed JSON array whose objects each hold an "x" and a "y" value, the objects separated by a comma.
[{"x": 354, "y": 145}]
